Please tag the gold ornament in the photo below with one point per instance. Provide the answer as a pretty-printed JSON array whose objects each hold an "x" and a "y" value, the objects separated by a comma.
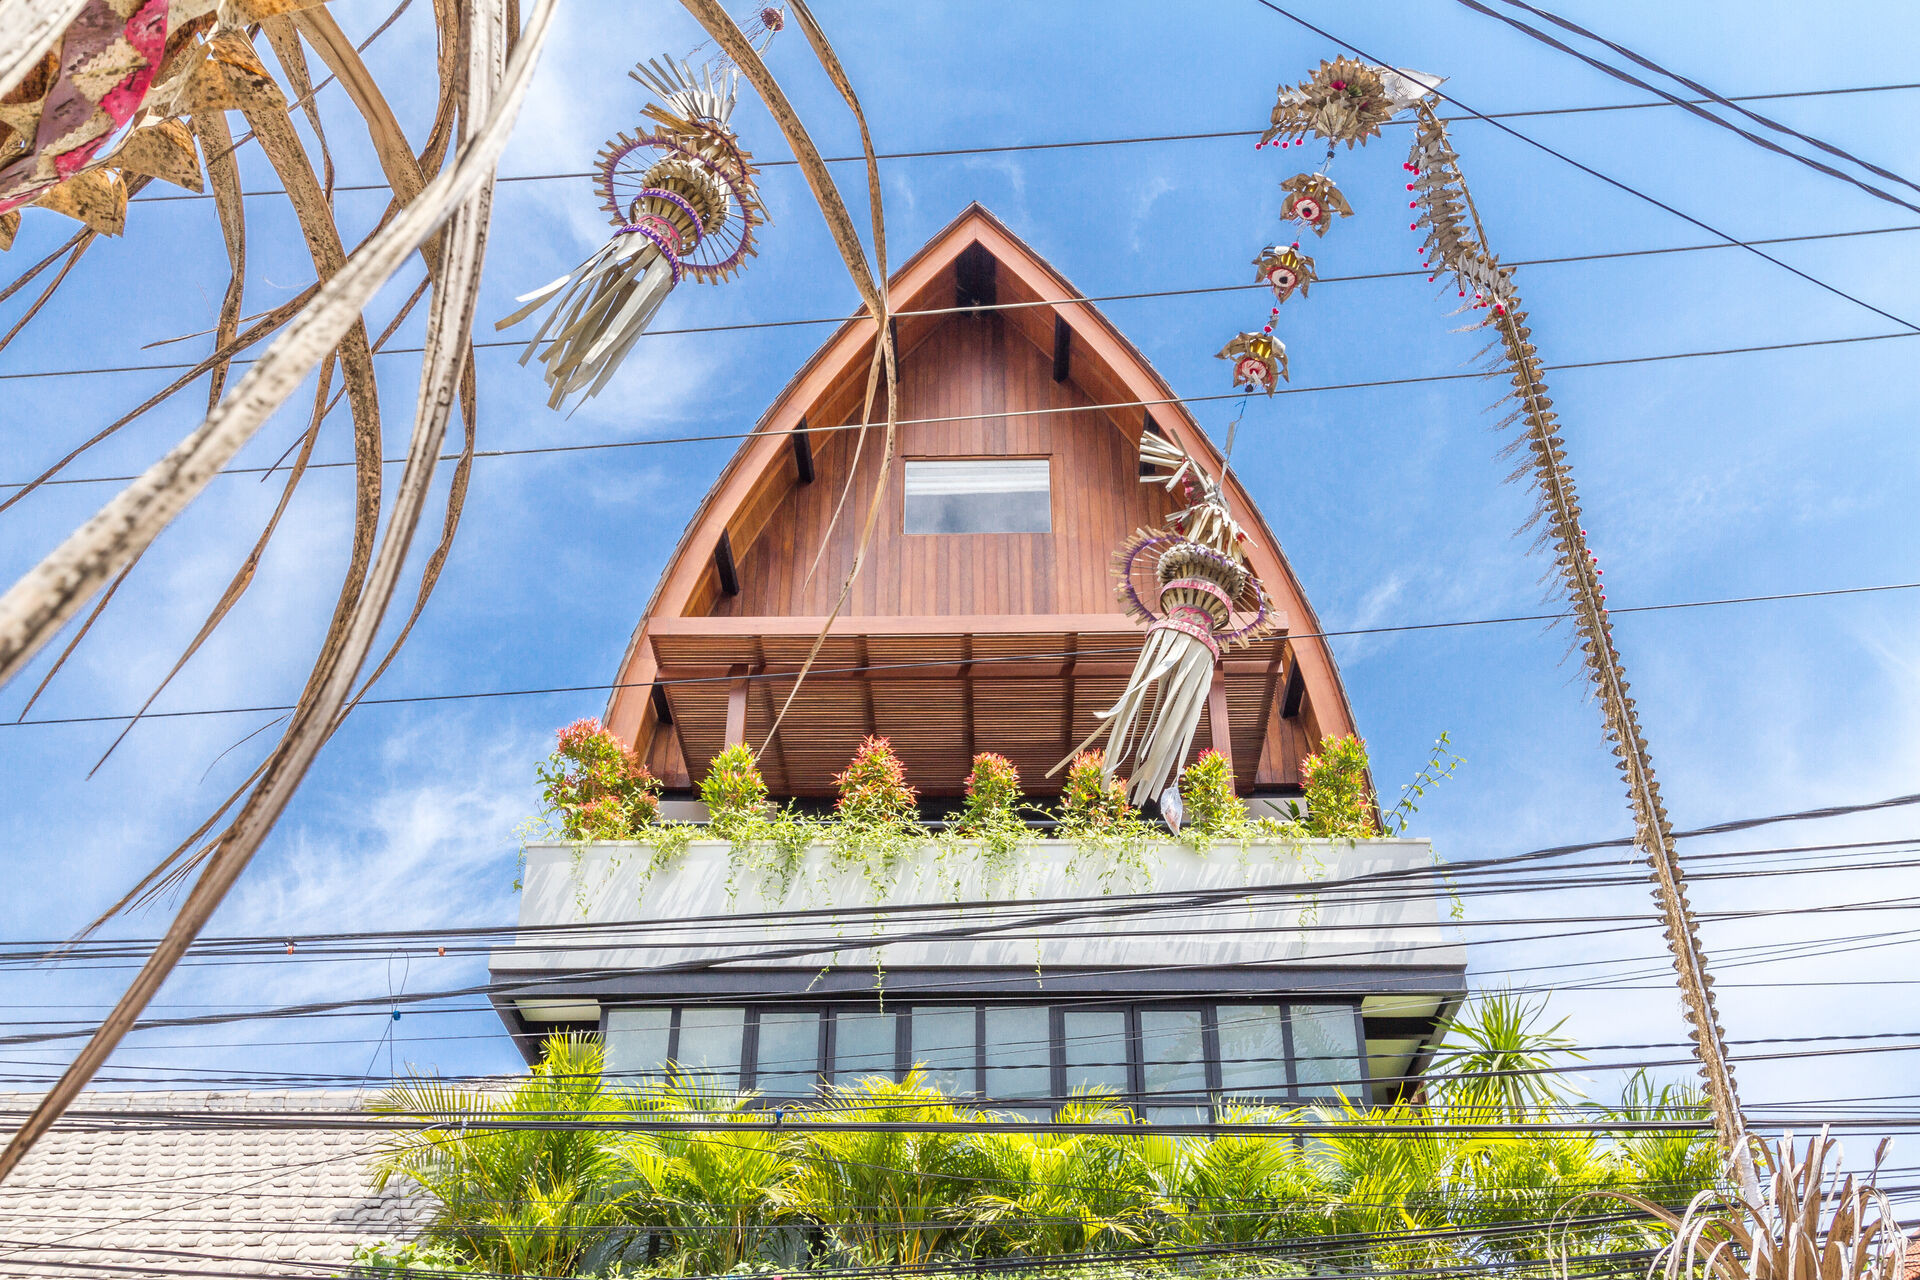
[
  {"x": 1284, "y": 269},
  {"x": 1259, "y": 361},
  {"x": 1313, "y": 198}
]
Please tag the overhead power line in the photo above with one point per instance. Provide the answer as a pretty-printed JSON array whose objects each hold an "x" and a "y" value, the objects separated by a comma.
[
  {"x": 988, "y": 662},
  {"x": 1611, "y": 181},
  {"x": 1136, "y": 140},
  {"x": 744, "y": 326},
  {"x": 1695, "y": 108}
]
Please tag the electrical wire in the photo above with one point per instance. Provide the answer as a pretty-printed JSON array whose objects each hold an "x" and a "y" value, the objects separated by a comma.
[
  {"x": 1626, "y": 77},
  {"x": 1589, "y": 170},
  {"x": 1018, "y": 147},
  {"x": 1158, "y": 293},
  {"x": 1394, "y": 629}
]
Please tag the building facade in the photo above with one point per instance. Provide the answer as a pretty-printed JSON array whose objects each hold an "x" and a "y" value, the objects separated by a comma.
[{"x": 983, "y": 619}]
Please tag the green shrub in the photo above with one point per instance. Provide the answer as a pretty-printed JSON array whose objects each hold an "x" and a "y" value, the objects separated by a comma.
[
  {"x": 993, "y": 795},
  {"x": 734, "y": 792},
  {"x": 594, "y": 787},
  {"x": 1339, "y": 796},
  {"x": 1090, "y": 800},
  {"x": 873, "y": 787},
  {"x": 1207, "y": 795}
]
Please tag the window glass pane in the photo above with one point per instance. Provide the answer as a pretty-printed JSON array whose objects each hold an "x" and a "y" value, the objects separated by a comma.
[
  {"x": 1096, "y": 1052},
  {"x": 709, "y": 1047},
  {"x": 943, "y": 1044},
  {"x": 979, "y": 495},
  {"x": 1019, "y": 1053},
  {"x": 1172, "y": 1051},
  {"x": 637, "y": 1040},
  {"x": 789, "y": 1062},
  {"x": 1326, "y": 1052},
  {"x": 1253, "y": 1050},
  {"x": 863, "y": 1045}
]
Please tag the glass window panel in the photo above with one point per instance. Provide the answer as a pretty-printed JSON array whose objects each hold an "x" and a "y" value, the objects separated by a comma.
[
  {"x": 863, "y": 1045},
  {"x": 637, "y": 1040},
  {"x": 1096, "y": 1051},
  {"x": 788, "y": 1065},
  {"x": 1253, "y": 1050},
  {"x": 1172, "y": 1051},
  {"x": 1326, "y": 1051},
  {"x": 709, "y": 1045},
  {"x": 943, "y": 1043},
  {"x": 1019, "y": 1053},
  {"x": 979, "y": 495},
  {"x": 1195, "y": 1114}
]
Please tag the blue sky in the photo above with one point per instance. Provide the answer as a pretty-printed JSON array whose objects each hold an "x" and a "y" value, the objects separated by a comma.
[{"x": 1703, "y": 478}]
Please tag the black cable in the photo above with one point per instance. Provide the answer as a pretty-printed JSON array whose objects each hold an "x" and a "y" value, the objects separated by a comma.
[
  {"x": 1609, "y": 180},
  {"x": 1709, "y": 96},
  {"x": 1626, "y": 77},
  {"x": 1128, "y": 651},
  {"x": 1004, "y": 148}
]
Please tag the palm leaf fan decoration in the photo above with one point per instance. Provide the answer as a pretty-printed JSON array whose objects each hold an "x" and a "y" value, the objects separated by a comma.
[
  {"x": 683, "y": 201},
  {"x": 1205, "y": 598}
]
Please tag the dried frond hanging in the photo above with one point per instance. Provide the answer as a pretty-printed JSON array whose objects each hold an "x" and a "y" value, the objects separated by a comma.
[
  {"x": 1344, "y": 100},
  {"x": 1806, "y": 1223},
  {"x": 1313, "y": 199},
  {"x": 1204, "y": 599},
  {"x": 684, "y": 202},
  {"x": 1284, "y": 269},
  {"x": 1259, "y": 361},
  {"x": 1456, "y": 245}
]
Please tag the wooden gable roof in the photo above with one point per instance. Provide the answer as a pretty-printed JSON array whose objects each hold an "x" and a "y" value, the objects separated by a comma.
[{"x": 951, "y": 643}]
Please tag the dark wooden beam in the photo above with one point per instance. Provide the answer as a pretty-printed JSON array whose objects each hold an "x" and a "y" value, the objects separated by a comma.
[
  {"x": 662, "y": 709},
  {"x": 803, "y": 453},
  {"x": 723, "y": 565},
  {"x": 1062, "y": 348},
  {"x": 1295, "y": 692},
  {"x": 737, "y": 706},
  {"x": 1217, "y": 726},
  {"x": 975, "y": 277}
]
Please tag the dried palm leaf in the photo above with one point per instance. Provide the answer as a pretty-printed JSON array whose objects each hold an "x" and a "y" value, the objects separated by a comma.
[
  {"x": 461, "y": 196},
  {"x": 1457, "y": 245}
]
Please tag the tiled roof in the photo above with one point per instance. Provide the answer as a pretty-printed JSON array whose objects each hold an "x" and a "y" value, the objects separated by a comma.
[{"x": 100, "y": 1193}]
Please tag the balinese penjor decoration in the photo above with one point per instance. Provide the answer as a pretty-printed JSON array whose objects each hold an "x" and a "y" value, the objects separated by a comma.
[
  {"x": 1312, "y": 198},
  {"x": 1344, "y": 100},
  {"x": 1259, "y": 361},
  {"x": 684, "y": 202},
  {"x": 1205, "y": 600},
  {"x": 1284, "y": 269}
]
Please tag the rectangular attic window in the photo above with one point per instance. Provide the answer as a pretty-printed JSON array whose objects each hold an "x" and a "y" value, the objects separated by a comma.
[{"x": 979, "y": 495}]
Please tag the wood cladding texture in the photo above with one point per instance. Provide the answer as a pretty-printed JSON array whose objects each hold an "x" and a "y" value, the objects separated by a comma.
[{"x": 967, "y": 364}]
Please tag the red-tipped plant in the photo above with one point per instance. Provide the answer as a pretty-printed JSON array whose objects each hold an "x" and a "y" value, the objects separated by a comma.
[
  {"x": 595, "y": 786},
  {"x": 873, "y": 787}
]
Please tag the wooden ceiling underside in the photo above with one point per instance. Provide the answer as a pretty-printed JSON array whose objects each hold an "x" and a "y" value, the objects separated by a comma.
[{"x": 940, "y": 697}]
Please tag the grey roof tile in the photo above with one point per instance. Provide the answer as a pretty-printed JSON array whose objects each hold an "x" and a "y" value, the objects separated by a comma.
[{"x": 93, "y": 1192}]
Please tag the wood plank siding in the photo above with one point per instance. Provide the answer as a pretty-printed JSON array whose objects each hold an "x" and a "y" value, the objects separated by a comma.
[{"x": 947, "y": 643}]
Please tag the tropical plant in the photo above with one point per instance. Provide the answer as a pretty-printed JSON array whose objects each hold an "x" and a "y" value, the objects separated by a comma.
[
  {"x": 1441, "y": 762},
  {"x": 1338, "y": 793},
  {"x": 523, "y": 1201},
  {"x": 1498, "y": 1064},
  {"x": 992, "y": 796},
  {"x": 873, "y": 787},
  {"x": 1055, "y": 1193},
  {"x": 734, "y": 792},
  {"x": 1090, "y": 800},
  {"x": 711, "y": 1196},
  {"x": 1208, "y": 800},
  {"x": 594, "y": 787},
  {"x": 894, "y": 1197}
]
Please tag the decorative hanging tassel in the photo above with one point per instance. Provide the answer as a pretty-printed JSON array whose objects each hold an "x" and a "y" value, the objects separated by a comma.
[
  {"x": 1203, "y": 582},
  {"x": 684, "y": 202}
]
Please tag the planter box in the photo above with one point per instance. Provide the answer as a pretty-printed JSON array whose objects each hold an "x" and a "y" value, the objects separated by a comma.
[{"x": 1053, "y": 906}]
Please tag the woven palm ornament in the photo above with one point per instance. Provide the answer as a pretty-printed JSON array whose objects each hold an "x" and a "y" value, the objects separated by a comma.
[
  {"x": 1200, "y": 598},
  {"x": 103, "y": 93},
  {"x": 684, "y": 202}
]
